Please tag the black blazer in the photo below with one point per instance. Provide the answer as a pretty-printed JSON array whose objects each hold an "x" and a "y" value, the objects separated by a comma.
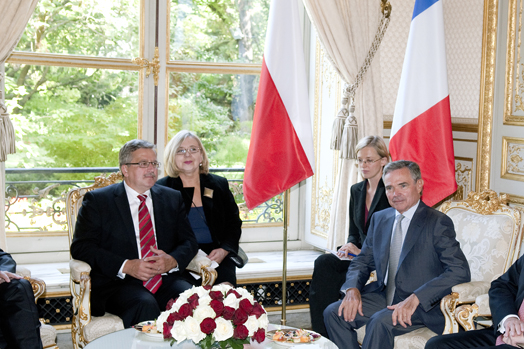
[
  {"x": 358, "y": 228},
  {"x": 105, "y": 236},
  {"x": 7, "y": 263},
  {"x": 220, "y": 208},
  {"x": 431, "y": 261},
  {"x": 507, "y": 293}
]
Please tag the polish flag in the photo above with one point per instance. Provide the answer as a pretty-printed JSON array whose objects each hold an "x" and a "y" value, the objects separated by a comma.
[
  {"x": 421, "y": 130},
  {"x": 281, "y": 150}
]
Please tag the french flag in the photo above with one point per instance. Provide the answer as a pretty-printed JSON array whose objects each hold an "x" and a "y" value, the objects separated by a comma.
[
  {"x": 281, "y": 149},
  {"x": 421, "y": 129}
]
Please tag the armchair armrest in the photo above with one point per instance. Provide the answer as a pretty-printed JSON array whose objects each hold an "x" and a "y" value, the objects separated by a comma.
[
  {"x": 23, "y": 271},
  {"x": 467, "y": 313},
  {"x": 461, "y": 294},
  {"x": 81, "y": 292}
]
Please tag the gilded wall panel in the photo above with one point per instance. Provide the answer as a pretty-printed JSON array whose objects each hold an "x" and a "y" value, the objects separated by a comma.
[
  {"x": 328, "y": 88},
  {"x": 513, "y": 158},
  {"x": 514, "y": 89},
  {"x": 464, "y": 177}
]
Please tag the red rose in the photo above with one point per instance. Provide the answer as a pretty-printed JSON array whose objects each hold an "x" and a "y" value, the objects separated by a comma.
[
  {"x": 216, "y": 295},
  {"x": 208, "y": 325},
  {"x": 184, "y": 311},
  {"x": 240, "y": 317},
  {"x": 240, "y": 332},
  {"x": 172, "y": 318},
  {"x": 259, "y": 335},
  {"x": 167, "y": 330},
  {"x": 234, "y": 292},
  {"x": 257, "y": 310},
  {"x": 193, "y": 301},
  {"x": 217, "y": 306},
  {"x": 228, "y": 313},
  {"x": 246, "y": 305},
  {"x": 170, "y": 304},
  {"x": 207, "y": 287}
]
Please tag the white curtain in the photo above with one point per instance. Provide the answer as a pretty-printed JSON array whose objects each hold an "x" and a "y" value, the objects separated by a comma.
[
  {"x": 14, "y": 15},
  {"x": 346, "y": 29}
]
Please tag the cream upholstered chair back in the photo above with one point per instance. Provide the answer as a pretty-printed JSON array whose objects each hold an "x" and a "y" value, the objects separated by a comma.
[
  {"x": 489, "y": 232},
  {"x": 84, "y": 327}
]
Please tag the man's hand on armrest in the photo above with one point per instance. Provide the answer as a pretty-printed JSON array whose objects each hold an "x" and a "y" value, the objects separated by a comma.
[{"x": 402, "y": 311}]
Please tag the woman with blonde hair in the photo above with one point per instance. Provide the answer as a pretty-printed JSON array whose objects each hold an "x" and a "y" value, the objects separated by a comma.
[
  {"x": 212, "y": 210},
  {"x": 367, "y": 197}
]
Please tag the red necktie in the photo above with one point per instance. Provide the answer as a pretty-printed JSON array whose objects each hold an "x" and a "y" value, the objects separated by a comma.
[
  {"x": 147, "y": 240},
  {"x": 521, "y": 316}
]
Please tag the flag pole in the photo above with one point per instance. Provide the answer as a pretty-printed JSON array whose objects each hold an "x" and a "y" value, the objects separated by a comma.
[{"x": 284, "y": 259}]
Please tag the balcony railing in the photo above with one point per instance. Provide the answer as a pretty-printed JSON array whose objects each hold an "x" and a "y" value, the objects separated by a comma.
[{"x": 35, "y": 198}]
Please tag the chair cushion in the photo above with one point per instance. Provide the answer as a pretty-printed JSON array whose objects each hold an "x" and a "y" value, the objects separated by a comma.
[
  {"x": 48, "y": 335},
  {"x": 413, "y": 340},
  {"x": 102, "y": 325}
]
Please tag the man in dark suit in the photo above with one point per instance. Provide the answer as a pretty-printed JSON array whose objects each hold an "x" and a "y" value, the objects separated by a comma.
[
  {"x": 417, "y": 260},
  {"x": 19, "y": 324},
  {"x": 506, "y": 297},
  {"x": 136, "y": 237}
]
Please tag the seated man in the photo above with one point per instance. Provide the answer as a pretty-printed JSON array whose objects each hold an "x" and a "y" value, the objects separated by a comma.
[
  {"x": 506, "y": 300},
  {"x": 417, "y": 259},
  {"x": 136, "y": 237},
  {"x": 19, "y": 324}
]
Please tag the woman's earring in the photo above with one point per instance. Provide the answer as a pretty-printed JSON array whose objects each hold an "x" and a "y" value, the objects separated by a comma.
[{"x": 200, "y": 164}]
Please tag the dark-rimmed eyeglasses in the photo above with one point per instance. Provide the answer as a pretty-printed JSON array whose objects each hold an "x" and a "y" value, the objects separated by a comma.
[{"x": 145, "y": 164}]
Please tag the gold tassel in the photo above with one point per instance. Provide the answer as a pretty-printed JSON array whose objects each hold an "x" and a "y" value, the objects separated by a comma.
[
  {"x": 7, "y": 136},
  {"x": 350, "y": 135}
]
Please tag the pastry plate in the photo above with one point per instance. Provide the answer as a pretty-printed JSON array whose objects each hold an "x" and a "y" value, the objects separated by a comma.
[
  {"x": 313, "y": 336},
  {"x": 140, "y": 325}
]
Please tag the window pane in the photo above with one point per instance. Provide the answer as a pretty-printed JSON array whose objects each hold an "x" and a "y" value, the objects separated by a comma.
[
  {"x": 218, "y": 30},
  {"x": 108, "y": 28},
  {"x": 63, "y": 118},
  {"x": 219, "y": 108}
]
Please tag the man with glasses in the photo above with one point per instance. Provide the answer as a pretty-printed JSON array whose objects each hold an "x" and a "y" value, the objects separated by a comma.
[{"x": 136, "y": 237}]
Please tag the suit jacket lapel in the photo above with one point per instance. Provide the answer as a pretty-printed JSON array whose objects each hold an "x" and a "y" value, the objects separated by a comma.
[
  {"x": 378, "y": 194},
  {"x": 360, "y": 199},
  {"x": 414, "y": 231},
  {"x": 158, "y": 208},
  {"x": 207, "y": 201},
  {"x": 122, "y": 204}
]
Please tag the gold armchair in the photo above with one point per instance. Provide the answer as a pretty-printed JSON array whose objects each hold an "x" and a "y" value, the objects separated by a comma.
[{"x": 85, "y": 327}]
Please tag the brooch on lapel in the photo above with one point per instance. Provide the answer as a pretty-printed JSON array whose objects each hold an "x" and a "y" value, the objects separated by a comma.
[{"x": 208, "y": 192}]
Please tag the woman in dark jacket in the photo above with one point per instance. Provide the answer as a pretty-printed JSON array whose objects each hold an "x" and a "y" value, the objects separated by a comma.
[
  {"x": 367, "y": 197},
  {"x": 212, "y": 210}
]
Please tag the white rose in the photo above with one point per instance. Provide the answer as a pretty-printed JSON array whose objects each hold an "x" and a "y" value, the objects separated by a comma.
[
  {"x": 231, "y": 301},
  {"x": 193, "y": 330},
  {"x": 252, "y": 324},
  {"x": 202, "y": 312},
  {"x": 179, "y": 331},
  {"x": 204, "y": 300},
  {"x": 224, "y": 329},
  {"x": 161, "y": 319},
  {"x": 245, "y": 293},
  {"x": 263, "y": 321},
  {"x": 201, "y": 291},
  {"x": 222, "y": 288}
]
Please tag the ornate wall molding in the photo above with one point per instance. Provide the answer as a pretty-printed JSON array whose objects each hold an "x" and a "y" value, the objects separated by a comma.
[
  {"x": 487, "y": 79},
  {"x": 514, "y": 89},
  {"x": 464, "y": 177},
  {"x": 512, "y": 166}
]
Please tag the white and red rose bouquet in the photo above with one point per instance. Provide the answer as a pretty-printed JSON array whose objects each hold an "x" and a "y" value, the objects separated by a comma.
[{"x": 214, "y": 317}]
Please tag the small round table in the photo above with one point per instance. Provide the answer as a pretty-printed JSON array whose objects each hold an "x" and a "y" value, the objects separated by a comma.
[{"x": 131, "y": 338}]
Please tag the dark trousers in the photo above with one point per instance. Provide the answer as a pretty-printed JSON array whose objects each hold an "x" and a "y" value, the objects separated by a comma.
[
  {"x": 380, "y": 332},
  {"x": 19, "y": 324},
  {"x": 465, "y": 340},
  {"x": 329, "y": 274},
  {"x": 133, "y": 303}
]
